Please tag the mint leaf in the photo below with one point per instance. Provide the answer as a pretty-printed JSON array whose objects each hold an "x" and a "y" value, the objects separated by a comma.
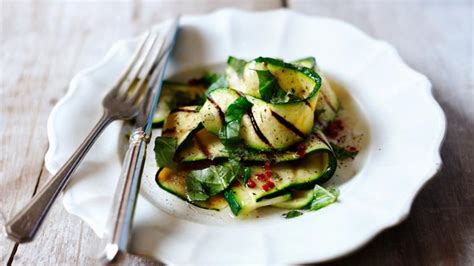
[
  {"x": 202, "y": 184},
  {"x": 343, "y": 153},
  {"x": 267, "y": 83},
  {"x": 292, "y": 214},
  {"x": 323, "y": 197},
  {"x": 165, "y": 148},
  {"x": 218, "y": 83},
  {"x": 213, "y": 81},
  {"x": 270, "y": 91},
  {"x": 237, "y": 64},
  {"x": 229, "y": 133}
]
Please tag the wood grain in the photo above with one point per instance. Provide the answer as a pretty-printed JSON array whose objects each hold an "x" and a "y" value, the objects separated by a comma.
[
  {"x": 435, "y": 38},
  {"x": 43, "y": 44}
]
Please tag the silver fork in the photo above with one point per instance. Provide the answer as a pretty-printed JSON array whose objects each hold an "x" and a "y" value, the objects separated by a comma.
[{"x": 121, "y": 103}]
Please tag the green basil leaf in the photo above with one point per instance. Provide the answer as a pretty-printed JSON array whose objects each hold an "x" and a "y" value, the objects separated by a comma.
[
  {"x": 202, "y": 184},
  {"x": 267, "y": 84},
  {"x": 229, "y": 133},
  {"x": 195, "y": 190},
  {"x": 292, "y": 214},
  {"x": 237, "y": 64},
  {"x": 210, "y": 78},
  {"x": 343, "y": 153},
  {"x": 165, "y": 148},
  {"x": 217, "y": 84},
  {"x": 213, "y": 81},
  {"x": 323, "y": 197}
]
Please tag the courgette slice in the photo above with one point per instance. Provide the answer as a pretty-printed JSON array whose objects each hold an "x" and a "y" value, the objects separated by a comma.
[
  {"x": 241, "y": 201},
  {"x": 301, "y": 174},
  {"x": 181, "y": 123},
  {"x": 212, "y": 113},
  {"x": 277, "y": 126},
  {"x": 316, "y": 168},
  {"x": 175, "y": 94},
  {"x": 300, "y": 199},
  {"x": 266, "y": 126},
  {"x": 328, "y": 105},
  {"x": 204, "y": 146},
  {"x": 300, "y": 81},
  {"x": 309, "y": 62},
  {"x": 296, "y": 80},
  {"x": 174, "y": 181}
]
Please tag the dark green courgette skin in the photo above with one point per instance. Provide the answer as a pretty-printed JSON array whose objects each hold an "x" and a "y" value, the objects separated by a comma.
[
  {"x": 310, "y": 60},
  {"x": 232, "y": 201},
  {"x": 306, "y": 71}
]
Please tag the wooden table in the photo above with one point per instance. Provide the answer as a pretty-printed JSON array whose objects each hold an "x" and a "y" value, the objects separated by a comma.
[{"x": 44, "y": 44}]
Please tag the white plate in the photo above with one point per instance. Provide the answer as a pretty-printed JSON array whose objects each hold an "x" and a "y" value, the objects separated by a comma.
[{"x": 406, "y": 125}]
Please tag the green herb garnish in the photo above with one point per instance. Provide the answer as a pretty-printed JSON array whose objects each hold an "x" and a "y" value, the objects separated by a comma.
[
  {"x": 229, "y": 133},
  {"x": 237, "y": 64},
  {"x": 323, "y": 197},
  {"x": 165, "y": 148},
  {"x": 292, "y": 214},
  {"x": 343, "y": 153},
  {"x": 246, "y": 175},
  {"x": 202, "y": 184}
]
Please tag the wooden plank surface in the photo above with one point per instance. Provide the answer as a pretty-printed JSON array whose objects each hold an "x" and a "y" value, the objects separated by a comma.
[
  {"x": 44, "y": 44},
  {"x": 435, "y": 38}
]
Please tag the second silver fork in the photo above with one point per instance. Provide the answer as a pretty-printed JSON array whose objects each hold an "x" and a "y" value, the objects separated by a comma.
[{"x": 121, "y": 103}]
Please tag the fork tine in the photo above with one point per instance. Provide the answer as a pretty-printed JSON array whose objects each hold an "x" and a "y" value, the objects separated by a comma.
[
  {"x": 150, "y": 65},
  {"x": 131, "y": 62},
  {"x": 132, "y": 75}
]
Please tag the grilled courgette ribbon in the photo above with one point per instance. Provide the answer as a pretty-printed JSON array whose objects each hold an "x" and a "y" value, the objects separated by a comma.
[{"x": 279, "y": 127}]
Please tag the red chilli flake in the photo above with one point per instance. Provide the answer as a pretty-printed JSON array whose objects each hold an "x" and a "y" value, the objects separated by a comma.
[
  {"x": 301, "y": 150},
  {"x": 352, "y": 148},
  {"x": 265, "y": 187},
  {"x": 334, "y": 128},
  {"x": 251, "y": 183},
  {"x": 268, "y": 171},
  {"x": 261, "y": 177},
  {"x": 268, "y": 185}
]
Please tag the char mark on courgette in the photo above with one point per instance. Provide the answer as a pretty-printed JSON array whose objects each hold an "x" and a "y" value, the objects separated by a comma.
[
  {"x": 202, "y": 147},
  {"x": 288, "y": 125},
  {"x": 183, "y": 109},
  {"x": 219, "y": 109},
  {"x": 257, "y": 130}
]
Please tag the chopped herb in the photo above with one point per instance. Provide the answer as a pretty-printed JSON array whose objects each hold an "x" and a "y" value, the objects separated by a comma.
[
  {"x": 237, "y": 64},
  {"x": 270, "y": 91},
  {"x": 212, "y": 81},
  {"x": 210, "y": 78},
  {"x": 202, "y": 184},
  {"x": 229, "y": 133},
  {"x": 292, "y": 214},
  {"x": 165, "y": 148},
  {"x": 343, "y": 153},
  {"x": 267, "y": 84},
  {"x": 246, "y": 175},
  {"x": 323, "y": 197}
]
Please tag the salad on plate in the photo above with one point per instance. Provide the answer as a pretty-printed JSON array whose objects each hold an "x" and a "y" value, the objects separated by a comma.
[{"x": 264, "y": 133}]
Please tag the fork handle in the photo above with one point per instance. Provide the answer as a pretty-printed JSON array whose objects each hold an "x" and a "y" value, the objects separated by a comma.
[
  {"x": 119, "y": 223},
  {"x": 24, "y": 225}
]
